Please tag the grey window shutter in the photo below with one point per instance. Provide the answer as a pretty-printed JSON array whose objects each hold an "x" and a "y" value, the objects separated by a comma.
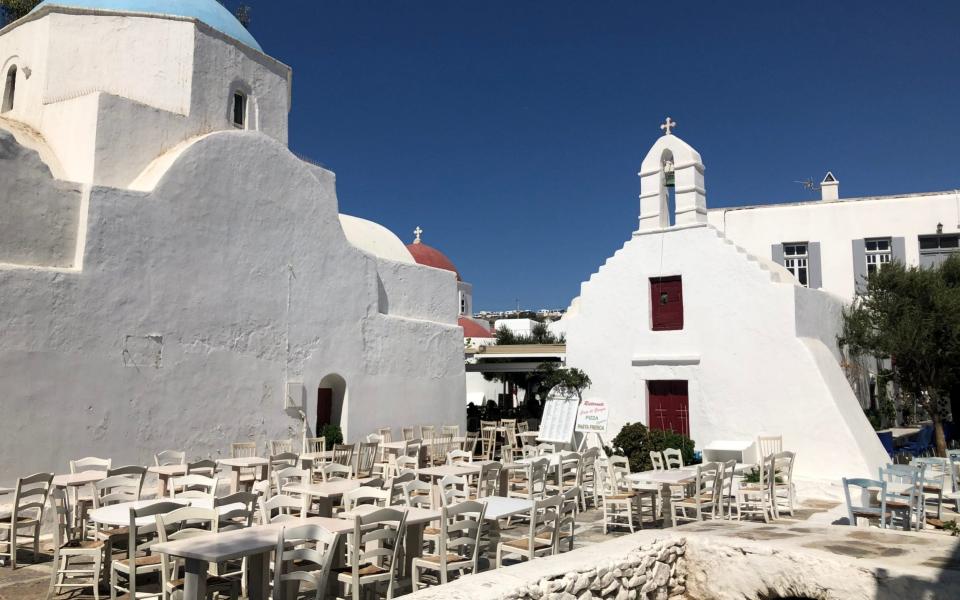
[
  {"x": 776, "y": 254},
  {"x": 813, "y": 265},
  {"x": 898, "y": 250},
  {"x": 860, "y": 266}
]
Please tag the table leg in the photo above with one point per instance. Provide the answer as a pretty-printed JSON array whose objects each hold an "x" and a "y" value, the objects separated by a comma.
[
  {"x": 161, "y": 485},
  {"x": 324, "y": 506},
  {"x": 195, "y": 582},
  {"x": 262, "y": 476},
  {"x": 258, "y": 576},
  {"x": 666, "y": 507},
  {"x": 413, "y": 544},
  {"x": 234, "y": 480},
  {"x": 503, "y": 486}
]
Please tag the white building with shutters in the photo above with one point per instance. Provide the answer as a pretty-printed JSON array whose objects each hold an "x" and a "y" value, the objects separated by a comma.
[{"x": 687, "y": 327}]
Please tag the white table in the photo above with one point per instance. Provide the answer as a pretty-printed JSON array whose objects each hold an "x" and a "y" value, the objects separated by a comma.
[
  {"x": 325, "y": 493},
  {"x": 238, "y": 464},
  {"x": 499, "y": 507},
  {"x": 665, "y": 479},
  {"x": 165, "y": 474},
  {"x": 252, "y": 543}
]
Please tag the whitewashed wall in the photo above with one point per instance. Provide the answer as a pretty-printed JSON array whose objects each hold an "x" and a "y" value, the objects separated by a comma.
[
  {"x": 836, "y": 224},
  {"x": 199, "y": 301},
  {"x": 750, "y": 370}
]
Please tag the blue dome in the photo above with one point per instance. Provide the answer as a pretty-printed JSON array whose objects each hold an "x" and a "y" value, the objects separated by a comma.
[{"x": 210, "y": 12}]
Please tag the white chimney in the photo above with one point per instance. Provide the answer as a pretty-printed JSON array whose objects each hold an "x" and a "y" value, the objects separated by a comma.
[{"x": 829, "y": 188}]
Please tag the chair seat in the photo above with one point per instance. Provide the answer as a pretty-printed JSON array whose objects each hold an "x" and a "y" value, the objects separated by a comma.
[
  {"x": 435, "y": 559},
  {"x": 212, "y": 582},
  {"x": 898, "y": 504},
  {"x": 620, "y": 496},
  {"x": 141, "y": 561},
  {"x": 524, "y": 544},
  {"x": 21, "y": 521},
  {"x": 870, "y": 513},
  {"x": 932, "y": 489},
  {"x": 346, "y": 573},
  {"x": 702, "y": 499},
  {"x": 113, "y": 532},
  {"x": 431, "y": 531},
  {"x": 83, "y": 545}
]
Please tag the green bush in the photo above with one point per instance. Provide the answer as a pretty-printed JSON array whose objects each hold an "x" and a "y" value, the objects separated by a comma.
[
  {"x": 635, "y": 441},
  {"x": 333, "y": 433}
]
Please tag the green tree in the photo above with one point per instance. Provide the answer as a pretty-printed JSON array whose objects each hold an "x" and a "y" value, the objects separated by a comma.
[
  {"x": 11, "y": 10},
  {"x": 569, "y": 382},
  {"x": 912, "y": 315}
]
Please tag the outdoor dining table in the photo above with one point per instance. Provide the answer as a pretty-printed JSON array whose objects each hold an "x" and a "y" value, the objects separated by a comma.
[
  {"x": 164, "y": 474},
  {"x": 398, "y": 447},
  {"x": 325, "y": 492},
  {"x": 665, "y": 479},
  {"x": 238, "y": 464},
  {"x": 72, "y": 483},
  {"x": 253, "y": 543}
]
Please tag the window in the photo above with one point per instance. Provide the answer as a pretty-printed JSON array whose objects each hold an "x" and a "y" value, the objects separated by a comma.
[
  {"x": 666, "y": 303},
  {"x": 463, "y": 303},
  {"x": 934, "y": 249},
  {"x": 878, "y": 253},
  {"x": 795, "y": 259},
  {"x": 9, "y": 89},
  {"x": 239, "y": 109}
]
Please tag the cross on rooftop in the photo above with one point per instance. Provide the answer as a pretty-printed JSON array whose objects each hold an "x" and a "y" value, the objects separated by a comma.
[
  {"x": 417, "y": 232},
  {"x": 670, "y": 124}
]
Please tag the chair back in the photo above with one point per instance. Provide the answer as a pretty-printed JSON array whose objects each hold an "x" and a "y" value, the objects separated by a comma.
[
  {"x": 343, "y": 454},
  {"x": 459, "y": 456},
  {"x": 451, "y": 430},
  {"x": 386, "y": 434},
  {"x": 281, "y": 446},
  {"x": 204, "y": 467},
  {"x": 673, "y": 458},
  {"x": 335, "y": 472},
  {"x": 395, "y": 487},
  {"x": 488, "y": 440},
  {"x": 407, "y": 433},
  {"x": 183, "y": 523},
  {"x": 170, "y": 457},
  {"x": 413, "y": 448},
  {"x": 440, "y": 446},
  {"x": 727, "y": 477},
  {"x": 290, "y": 476},
  {"x": 509, "y": 424},
  {"x": 708, "y": 481},
  {"x": 546, "y": 448},
  {"x": 570, "y": 469},
  {"x": 523, "y": 426},
  {"x": 304, "y": 553},
  {"x": 769, "y": 444},
  {"x": 367, "y": 458},
  {"x": 782, "y": 466},
  {"x": 237, "y": 510},
  {"x": 427, "y": 432},
  {"x": 243, "y": 449},
  {"x": 908, "y": 477},
  {"x": 316, "y": 445},
  {"x": 567, "y": 518},
  {"x": 934, "y": 471},
  {"x": 90, "y": 463},
  {"x": 377, "y": 539},
  {"x": 123, "y": 484},
  {"x": 193, "y": 486},
  {"x": 536, "y": 474},
  {"x": 543, "y": 522},
  {"x": 862, "y": 507},
  {"x": 29, "y": 500},
  {"x": 365, "y": 495},
  {"x": 488, "y": 480},
  {"x": 470, "y": 442},
  {"x": 142, "y": 536},
  {"x": 280, "y": 508},
  {"x": 618, "y": 467},
  {"x": 460, "y": 528},
  {"x": 279, "y": 462},
  {"x": 418, "y": 494},
  {"x": 588, "y": 468},
  {"x": 453, "y": 489},
  {"x": 406, "y": 463},
  {"x": 656, "y": 459}
]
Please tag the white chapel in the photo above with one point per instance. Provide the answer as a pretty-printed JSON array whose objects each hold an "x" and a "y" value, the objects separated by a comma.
[
  {"x": 683, "y": 329},
  {"x": 170, "y": 270}
]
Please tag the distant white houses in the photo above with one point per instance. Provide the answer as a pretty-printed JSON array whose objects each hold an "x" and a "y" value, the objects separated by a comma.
[
  {"x": 685, "y": 329},
  {"x": 171, "y": 275}
]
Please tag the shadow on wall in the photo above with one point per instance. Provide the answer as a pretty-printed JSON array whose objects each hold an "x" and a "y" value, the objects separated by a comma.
[{"x": 332, "y": 402}]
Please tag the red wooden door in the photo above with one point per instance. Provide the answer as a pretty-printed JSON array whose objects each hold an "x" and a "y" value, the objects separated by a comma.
[
  {"x": 669, "y": 406},
  {"x": 666, "y": 303},
  {"x": 324, "y": 407}
]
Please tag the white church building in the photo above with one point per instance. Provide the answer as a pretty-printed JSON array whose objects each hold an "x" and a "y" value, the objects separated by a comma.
[
  {"x": 688, "y": 328},
  {"x": 171, "y": 275}
]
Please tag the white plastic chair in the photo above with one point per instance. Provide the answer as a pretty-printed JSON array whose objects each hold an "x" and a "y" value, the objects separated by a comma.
[
  {"x": 67, "y": 544},
  {"x": 705, "y": 496},
  {"x": 374, "y": 550},
  {"x": 304, "y": 553},
  {"x": 458, "y": 543},
  {"x": 26, "y": 513},
  {"x": 540, "y": 537}
]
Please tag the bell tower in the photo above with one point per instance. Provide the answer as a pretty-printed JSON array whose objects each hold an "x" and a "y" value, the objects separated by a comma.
[{"x": 671, "y": 167}]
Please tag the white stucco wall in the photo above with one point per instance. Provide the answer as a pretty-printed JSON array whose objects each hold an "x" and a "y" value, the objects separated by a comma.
[
  {"x": 750, "y": 370},
  {"x": 199, "y": 301},
  {"x": 110, "y": 93},
  {"x": 836, "y": 224}
]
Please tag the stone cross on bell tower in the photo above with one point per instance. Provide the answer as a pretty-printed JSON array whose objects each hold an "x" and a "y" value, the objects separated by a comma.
[
  {"x": 417, "y": 232},
  {"x": 668, "y": 125}
]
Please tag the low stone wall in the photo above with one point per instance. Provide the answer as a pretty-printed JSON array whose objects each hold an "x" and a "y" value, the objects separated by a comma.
[{"x": 656, "y": 571}]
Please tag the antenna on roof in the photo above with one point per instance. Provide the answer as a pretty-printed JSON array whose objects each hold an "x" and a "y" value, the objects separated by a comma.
[{"x": 809, "y": 185}]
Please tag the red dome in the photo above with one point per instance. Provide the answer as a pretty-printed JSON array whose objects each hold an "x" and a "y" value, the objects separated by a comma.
[
  {"x": 431, "y": 257},
  {"x": 472, "y": 329}
]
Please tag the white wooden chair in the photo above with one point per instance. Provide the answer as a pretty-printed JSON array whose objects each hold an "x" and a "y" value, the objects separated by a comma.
[
  {"x": 934, "y": 480},
  {"x": 315, "y": 445},
  {"x": 569, "y": 472},
  {"x": 567, "y": 520},
  {"x": 532, "y": 484},
  {"x": 909, "y": 501},
  {"x": 82, "y": 500},
  {"x": 458, "y": 543},
  {"x": 428, "y": 432},
  {"x": 395, "y": 486},
  {"x": 459, "y": 456},
  {"x": 290, "y": 476},
  {"x": 727, "y": 500},
  {"x": 169, "y": 457},
  {"x": 123, "y": 484},
  {"x": 784, "y": 492},
  {"x": 281, "y": 447},
  {"x": 442, "y": 444},
  {"x": 280, "y": 508},
  {"x": 247, "y": 477},
  {"x": 68, "y": 544},
  {"x": 184, "y": 523},
  {"x": 205, "y": 467},
  {"x": 861, "y": 508},
  {"x": 374, "y": 549},
  {"x": 704, "y": 500},
  {"x": 366, "y": 458},
  {"x": 401, "y": 464},
  {"x": 139, "y": 538},
  {"x": 541, "y": 532},
  {"x": 343, "y": 454},
  {"x": 589, "y": 487},
  {"x": 622, "y": 506},
  {"x": 673, "y": 458},
  {"x": 470, "y": 442},
  {"x": 279, "y": 462},
  {"x": 769, "y": 444},
  {"x": 757, "y": 498},
  {"x": 546, "y": 448},
  {"x": 365, "y": 494},
  {"x": 408, "y": 433},
  {"x": 193, "y": 486},
  {"x": 335, "y": 472},
  {"x": 26, "y": 513},
  {"x": 488, "y": 480},
  {"x": 451, "y": 430},
  {"x": 453, "y": 489},
  {"x": 418, "y": 494},
  {"x": 304, "y": 554},
  {"x": 386, "y": 434},
  {"x": 488, "y": 439},
  {"x": 512, "y": 449},
  {"x": 656, "y": 459}
]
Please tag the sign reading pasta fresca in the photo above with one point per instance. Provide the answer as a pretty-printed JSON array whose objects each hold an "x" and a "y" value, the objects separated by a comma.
[{"x": 592, "y": 416}]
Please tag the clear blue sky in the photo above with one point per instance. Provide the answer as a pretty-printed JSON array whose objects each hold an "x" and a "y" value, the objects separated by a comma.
[{"x": 512, "y": 131}]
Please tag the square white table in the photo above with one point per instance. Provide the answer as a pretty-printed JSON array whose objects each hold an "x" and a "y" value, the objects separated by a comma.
[
  {"x": 238, "y": 464},
  {"x": 164, "y": 475},
  {"x": 665, "y": 479},
  {"x": 325, "y": 492}
]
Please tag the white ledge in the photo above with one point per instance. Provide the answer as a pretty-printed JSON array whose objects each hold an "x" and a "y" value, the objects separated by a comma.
[{"x": 662, "y": 359}]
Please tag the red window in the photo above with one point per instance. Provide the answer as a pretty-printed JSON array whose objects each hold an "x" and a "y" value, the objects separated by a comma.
[
  {"x": 666, "y": 303},
  {"x": 669, "y": 406}
]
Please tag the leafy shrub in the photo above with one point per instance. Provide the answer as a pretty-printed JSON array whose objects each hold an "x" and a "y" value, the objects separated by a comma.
[
  {"x": 333, "y": 433},
  {"x": 636, "y": 441}
]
